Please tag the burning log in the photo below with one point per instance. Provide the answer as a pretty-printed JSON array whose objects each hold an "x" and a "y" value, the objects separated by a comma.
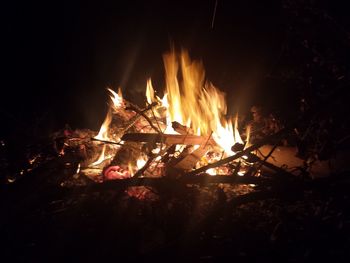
[
  {"x": 181, "y": 128},
  {"x": 187, "y": 162},
  {"x": 127, "y": 155},
  {"x": 169, "y": 139},
  {"x": 105, "y": 141}
]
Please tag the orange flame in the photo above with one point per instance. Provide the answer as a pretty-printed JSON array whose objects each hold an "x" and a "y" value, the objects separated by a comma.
[
  {"x": 189, "y": 100},
  {"x": 103, "y": 134},
  {"x": 116, "y": 98},
  {"x": 194, "y": 102}
]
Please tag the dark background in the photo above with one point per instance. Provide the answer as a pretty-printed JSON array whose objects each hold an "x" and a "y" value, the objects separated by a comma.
[{"x": 59, "y": 57}]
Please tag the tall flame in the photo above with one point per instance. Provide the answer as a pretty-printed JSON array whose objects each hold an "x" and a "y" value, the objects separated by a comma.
[
  {"x": 103, "y": 134},
  {"x": 117, "y": 102},
  {"x": 150, "y": 92},
  {"x": 193, "y": 101},
  {"x": 189, "y": 100},
  {"x": 116, "y": 98}
]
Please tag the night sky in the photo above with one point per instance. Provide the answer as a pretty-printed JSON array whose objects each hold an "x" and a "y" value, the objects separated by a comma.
[{"x": 59, "y": 58}]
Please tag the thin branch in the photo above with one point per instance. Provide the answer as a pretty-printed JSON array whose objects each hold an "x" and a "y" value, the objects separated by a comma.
[
  {"x": 145, "y": 167},
  {"x": 265, "y": 158},
  {"x": 142, "y": 113},
  {"x": 104, "y": 141}
]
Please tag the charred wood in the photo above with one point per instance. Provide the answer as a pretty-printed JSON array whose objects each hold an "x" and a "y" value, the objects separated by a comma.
[
  {"x": 181, "y": 128},
  {"x": 127, "y": 154},
  {"x": 169, "y": 139}
]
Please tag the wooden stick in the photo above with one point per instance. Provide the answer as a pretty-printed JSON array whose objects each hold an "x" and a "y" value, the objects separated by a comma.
[
  {"x": 104, "y": 141},
  {"x": 181, "y": 128},
  {"x": 169, "y": 139},
  {"x": 145, "y": 167},
  {"x": 265, "y": 158},
  {"x": 189, "y": 161},
  {"x": 142, "y": 113}
]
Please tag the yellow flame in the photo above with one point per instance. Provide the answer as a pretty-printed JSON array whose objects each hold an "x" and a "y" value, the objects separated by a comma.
[
  {"x": 248, "y": 130},
  {"x": 140, "y": 162},
  {"x": 116, "y": 98},
  {"x": 101, "y": 158},
  {"x": 172, "y": 88},
  {"x": 238, "y": 138},
  {"x": 150, "y": 92},
  {"x": 194, "y": 102},
  {"x": 103, "y": 133},
  {"x": 189, "y": 100},
  {"x": 211, "y": 171},
  {"x": 241, "y": 173}
]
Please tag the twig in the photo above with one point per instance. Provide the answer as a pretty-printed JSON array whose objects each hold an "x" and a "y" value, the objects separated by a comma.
[
  {"x": 104, "y": 141},
  {"x": 265, "y": 158},
  {"x": 209, "y": 137},
  {"x": 142, "y": 113},
  {"x": 144, "y": 168}
]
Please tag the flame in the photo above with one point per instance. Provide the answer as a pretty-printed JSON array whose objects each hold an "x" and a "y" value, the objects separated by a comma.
[
  {"x": 103, "y": 134},
  {"x": 211, "y": 171},
  {"x": 116, "y": 98},
  {"x": 101, "y": 158},
  {"x": 248, "y": 130},
  {"x": 150, "y": 92},
  {"x": 194, "y": 102},
  {"x": 140, "y": 162},
  {"x": 190, "y": 100}
]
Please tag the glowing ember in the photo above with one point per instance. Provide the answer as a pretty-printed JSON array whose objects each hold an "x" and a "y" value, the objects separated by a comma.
[{"x": 116, "y": 172}]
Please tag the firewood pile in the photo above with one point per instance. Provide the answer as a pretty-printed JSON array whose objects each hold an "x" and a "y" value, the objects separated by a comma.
[
  {"x": 135, "y": 147},
  {"x": 187, "y": 137},
  {"x": 192, "y": 144}
]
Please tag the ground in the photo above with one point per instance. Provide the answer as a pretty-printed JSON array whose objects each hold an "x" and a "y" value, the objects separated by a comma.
[{"x": 295, "y": 223}]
